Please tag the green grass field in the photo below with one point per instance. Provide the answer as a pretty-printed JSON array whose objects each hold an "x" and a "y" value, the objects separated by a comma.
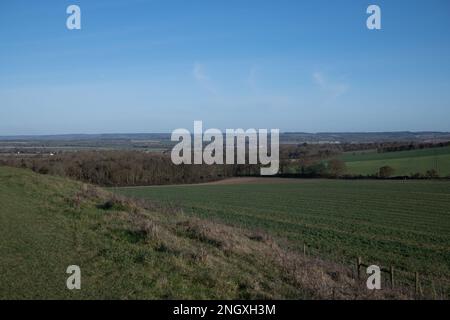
[
  {"x": 42, "y": 232},
  {"x": 149, "y": 250},
  {"x": 403, "y": 162},
  {"x": 403, "y": 223},
  {"x": 136, "y": 250}
]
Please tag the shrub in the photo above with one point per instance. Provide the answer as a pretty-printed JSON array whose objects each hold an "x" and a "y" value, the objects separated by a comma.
[
  {"x": 385, "y": 172},
  {"x": 432, "y": 173},
  {"x": 336, "y": 167}
]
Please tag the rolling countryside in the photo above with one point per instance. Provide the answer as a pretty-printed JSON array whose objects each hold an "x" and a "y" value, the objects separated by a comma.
[
  {"x": 139, "y": 250},
  {"x": 223, "y": 159},
  {"x": 401, "y": 223}
]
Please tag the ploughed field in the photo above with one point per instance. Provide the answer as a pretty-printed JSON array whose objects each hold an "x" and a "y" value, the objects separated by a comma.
[{"x": 400, "y": 223}]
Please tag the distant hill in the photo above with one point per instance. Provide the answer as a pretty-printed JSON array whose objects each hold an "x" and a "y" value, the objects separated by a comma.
[
  {"x": 365, "y": 137},
  {"x": 287, "y": 137},
  {"x": 81, "y": 137}
]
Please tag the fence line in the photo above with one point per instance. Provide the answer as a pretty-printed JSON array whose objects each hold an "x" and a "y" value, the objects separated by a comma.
[{"x": 391, "y": 271}]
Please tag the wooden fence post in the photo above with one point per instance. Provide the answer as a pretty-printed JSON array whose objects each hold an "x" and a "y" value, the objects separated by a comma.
[
  {"x": 434, "y": 290},
  {"x": 392, "y": 277},
  {"x": 358, "y": 264},
  {"x": 417, "y": 284}
]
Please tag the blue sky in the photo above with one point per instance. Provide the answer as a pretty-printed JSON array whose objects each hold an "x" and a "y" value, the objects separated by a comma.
[{"x": 154, "y": 66}]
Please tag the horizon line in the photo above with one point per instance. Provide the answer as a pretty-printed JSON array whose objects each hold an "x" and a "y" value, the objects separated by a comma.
[{"x": 168, "y": 133}]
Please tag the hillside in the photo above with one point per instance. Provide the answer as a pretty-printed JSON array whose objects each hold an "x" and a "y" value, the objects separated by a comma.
[
  {"x": 139, "y": 250},
  {"x": 404, "y": 163}
]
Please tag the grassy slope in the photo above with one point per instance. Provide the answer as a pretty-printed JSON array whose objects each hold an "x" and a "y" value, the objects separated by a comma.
[
  {"x": 140, "y": 250},
  {"x": 404, "y": 162},
  {"x": 406, "y": 224}
]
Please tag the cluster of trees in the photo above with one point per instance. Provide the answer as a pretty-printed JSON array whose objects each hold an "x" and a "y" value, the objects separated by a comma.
[
  {"x": 132, "y": 168},
  {"x": 389, "y": 172},
  {"x": 392, "y": 147},
  {"x": 385, "y": 172},
  {"x": 335, "y": 168},
  {"x": 309, "y": 152},
  {"x": 308, "y": 168},
  {"x": 125, "y": 168},
  {"x": 326, "y": 151},
  {"x": 430, "y": 174}
]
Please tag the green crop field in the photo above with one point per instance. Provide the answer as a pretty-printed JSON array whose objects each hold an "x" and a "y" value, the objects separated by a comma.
[
  {"x": 127, "y": 250},
  {"x": 401, "y": 223},
  {"x": 403, "y": 162},
  {"x": 46, "y": 225},
  {"x": 136, "y": 249}
]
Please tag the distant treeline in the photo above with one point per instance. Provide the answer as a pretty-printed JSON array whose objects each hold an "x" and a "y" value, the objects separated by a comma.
[
  {"x": 325, "y": 151},
  {"x": 309, "y": 152},
  {"x": 411, "y": 146},
  {"x": 309, "y": 168},
  {"x": 133, "y": 168},
  {"x": 125, "y": 168},
  {"x": 335, "y": 168}
]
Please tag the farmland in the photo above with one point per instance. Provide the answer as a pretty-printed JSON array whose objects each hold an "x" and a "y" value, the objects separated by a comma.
[
  {"x": 404, "y": 163},
  {"x": 49, "y": 223},
  {"x": 137, "y": 250},
  {"x": 401, "y": 223}
]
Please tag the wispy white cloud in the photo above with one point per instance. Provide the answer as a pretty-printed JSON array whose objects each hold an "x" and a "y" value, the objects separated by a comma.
[
  {"x": 319, "y": 79},
  {"x": 333, "y": 89},
  {"x": 252, "y": 78},
  {"x": 201, "y": 76}
]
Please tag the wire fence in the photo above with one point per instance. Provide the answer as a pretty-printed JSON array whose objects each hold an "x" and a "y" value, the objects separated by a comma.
[{"x": 422, "y": 286}]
